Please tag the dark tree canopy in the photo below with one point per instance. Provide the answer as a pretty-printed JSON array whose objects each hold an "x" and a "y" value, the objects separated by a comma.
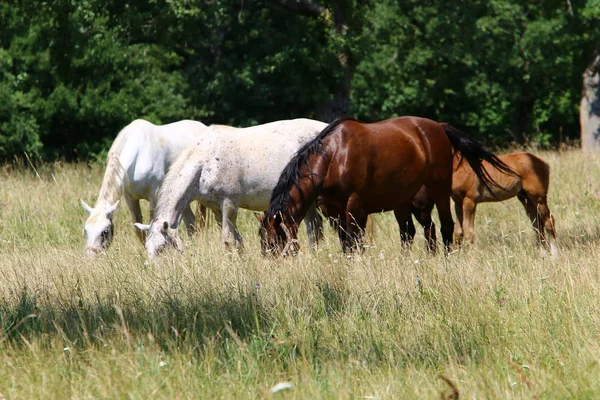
[{"x": 73, "y": 73}]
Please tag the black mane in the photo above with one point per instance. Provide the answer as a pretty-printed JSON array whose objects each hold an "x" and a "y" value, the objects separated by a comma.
[{"x": 281, "y": 198}]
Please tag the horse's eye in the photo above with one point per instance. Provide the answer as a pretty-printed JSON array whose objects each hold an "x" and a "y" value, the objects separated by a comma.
[{"x": 105, "y": 233}]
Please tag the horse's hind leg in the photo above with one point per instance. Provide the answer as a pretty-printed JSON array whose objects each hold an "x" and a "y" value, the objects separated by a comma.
[
  {"x": 442, "y": 203},
  {"x": 407, "y": 231},
  {"x": 136, "y": 215},
  {"x": 422, "y": 207},
  {"x": 314, "y": 226},
  {"x": 405, "y": 224}
]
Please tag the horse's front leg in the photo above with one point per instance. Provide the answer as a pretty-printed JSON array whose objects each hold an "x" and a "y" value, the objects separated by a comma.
[
  {"x": 468, "y": 220},
  {"x": 314, "y": 226},
  {"x": 229, "y": 233},
  {"x": 136, "y": 214},
  {"x": 189, "y": 220}
]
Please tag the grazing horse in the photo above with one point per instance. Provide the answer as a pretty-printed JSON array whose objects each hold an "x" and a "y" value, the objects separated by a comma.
[
  {"x": 356, "y": 169},
  {"x": 138, "y": 161},
  {"x": 530, "y": 185},
  {"x": 232, "y": 168}
]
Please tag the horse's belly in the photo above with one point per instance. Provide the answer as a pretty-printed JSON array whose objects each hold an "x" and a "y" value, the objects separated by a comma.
[
  {"x": 507, "y": 191},
  {"x": 249, "y": 198},
  {"x": 255, "y": 203}
]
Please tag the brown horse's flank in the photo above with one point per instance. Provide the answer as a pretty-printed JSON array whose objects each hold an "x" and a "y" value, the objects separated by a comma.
[{"x": 356, "y": 169}]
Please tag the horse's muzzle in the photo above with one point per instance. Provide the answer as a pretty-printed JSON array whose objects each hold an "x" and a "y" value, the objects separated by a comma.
[{"x": 92, "y": 252}]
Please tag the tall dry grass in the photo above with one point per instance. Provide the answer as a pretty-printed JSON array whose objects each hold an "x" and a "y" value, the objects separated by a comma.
[{"x": 499, "y": 320}]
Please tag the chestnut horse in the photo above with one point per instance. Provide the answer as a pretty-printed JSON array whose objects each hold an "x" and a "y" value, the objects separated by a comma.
[
  {"x": 530, "y": 185},
  {"x": 357, "y": 169}
]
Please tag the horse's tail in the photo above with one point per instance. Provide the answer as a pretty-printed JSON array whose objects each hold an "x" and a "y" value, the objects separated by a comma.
[{"x": 475, "y": 153}]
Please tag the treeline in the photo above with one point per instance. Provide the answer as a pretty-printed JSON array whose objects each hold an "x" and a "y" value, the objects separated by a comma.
[{"x": 74, "y": 72}]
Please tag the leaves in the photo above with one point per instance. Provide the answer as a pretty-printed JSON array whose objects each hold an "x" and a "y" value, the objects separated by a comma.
[{"x": 74, "y": 73}]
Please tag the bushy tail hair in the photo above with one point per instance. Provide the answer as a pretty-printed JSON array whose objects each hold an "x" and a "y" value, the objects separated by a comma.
[{"x": 475, "y": 153}]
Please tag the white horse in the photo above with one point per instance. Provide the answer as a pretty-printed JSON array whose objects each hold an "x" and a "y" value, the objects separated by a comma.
[
  {"x": 231, "y": 168},
  {"x": 138, "y": 161}
]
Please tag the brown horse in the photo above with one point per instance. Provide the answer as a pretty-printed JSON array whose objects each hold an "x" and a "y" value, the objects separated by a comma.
[
  {"x": 529, "y": 185},
  {"x": 357, "y": 169}
]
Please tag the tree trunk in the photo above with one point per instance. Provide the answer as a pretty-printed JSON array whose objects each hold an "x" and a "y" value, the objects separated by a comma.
[
  {"x": 340, "y": 104},
  {"x": 589, "y": 109}
]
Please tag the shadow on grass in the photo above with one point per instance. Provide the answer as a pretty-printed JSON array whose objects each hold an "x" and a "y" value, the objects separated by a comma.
[
  {"x": 238, "y": 322},
  {"x": 170, "y": 322}
]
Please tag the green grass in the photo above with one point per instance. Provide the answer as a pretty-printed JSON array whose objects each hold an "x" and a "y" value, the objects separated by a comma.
[{"x": 499, "y": 320}]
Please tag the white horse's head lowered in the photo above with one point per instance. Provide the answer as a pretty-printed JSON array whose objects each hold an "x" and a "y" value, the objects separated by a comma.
[
  {"x": 160, "y": 237},
  {"x": 98, "y": 227}
]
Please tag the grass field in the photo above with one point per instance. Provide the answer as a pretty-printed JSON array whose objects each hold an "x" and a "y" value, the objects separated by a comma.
[{"x": 499, "y": 320}]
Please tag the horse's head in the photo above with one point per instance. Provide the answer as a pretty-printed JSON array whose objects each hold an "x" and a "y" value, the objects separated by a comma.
[
  {"x": 276, "y": 236},
  {"x": 98, "y": 228},
  {"x": 160, "y": 237}
]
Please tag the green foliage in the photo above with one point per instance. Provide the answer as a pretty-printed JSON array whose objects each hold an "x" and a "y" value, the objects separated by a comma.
[
  {"x": 492, "y": 66},
  {"x": 72, "y": 74}
]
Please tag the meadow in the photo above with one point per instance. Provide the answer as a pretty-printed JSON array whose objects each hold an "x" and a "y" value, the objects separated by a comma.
[{"x": 499, "y": 319}]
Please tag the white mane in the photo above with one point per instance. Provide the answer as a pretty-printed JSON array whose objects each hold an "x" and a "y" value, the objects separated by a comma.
[
  {"x": 114, "y": 176},
  {"x": 113, "y": 182}
]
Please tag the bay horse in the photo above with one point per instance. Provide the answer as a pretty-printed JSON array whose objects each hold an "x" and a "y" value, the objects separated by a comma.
[
  {"x": 529, "y": 184},
  {"x": 231, "y": 168},
  {"x": 356, "y": 169},
  {"x": 137, "y": 163}
]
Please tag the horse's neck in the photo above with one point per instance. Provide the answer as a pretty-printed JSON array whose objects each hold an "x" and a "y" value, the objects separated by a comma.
[
  {"x": 179, "y": 188},
  {"x": 311, "y": 185},
  {"x": 113, "y": 182}
]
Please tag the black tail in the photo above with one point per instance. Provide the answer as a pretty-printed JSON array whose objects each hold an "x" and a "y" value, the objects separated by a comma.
[{"x": 475, "y": 153}]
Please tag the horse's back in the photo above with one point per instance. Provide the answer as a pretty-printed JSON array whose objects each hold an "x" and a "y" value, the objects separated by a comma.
[
  {"x": 531, "y": 169},
  {"x": 245, "y": 163},
  {"x": 148, "y": 150},
  {"x": 293, "y": 129},
  {"x": 386, "y": 162},
  {"x": 407, "y": 140},
  {"x": 524, "y": 161},
  {"x": 533, "y": 175}
]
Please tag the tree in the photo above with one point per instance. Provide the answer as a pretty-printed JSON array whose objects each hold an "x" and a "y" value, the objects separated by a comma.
[
  {"x": 345, "y": 19},
  {"x": 589, "y": 110}
]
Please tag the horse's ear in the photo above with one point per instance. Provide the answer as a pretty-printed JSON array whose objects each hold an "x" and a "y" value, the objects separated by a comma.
[
  {"x": 165, "y": 226},
  {"x": 86, "y": 207},
  {"x": 142, "y": 227},
  {"x": 260, "y": 217},
  {"x": 111, "y": 209}
]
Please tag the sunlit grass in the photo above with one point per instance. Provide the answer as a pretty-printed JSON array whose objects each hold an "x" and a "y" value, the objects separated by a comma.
[{"x": 501, "y": 319}]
